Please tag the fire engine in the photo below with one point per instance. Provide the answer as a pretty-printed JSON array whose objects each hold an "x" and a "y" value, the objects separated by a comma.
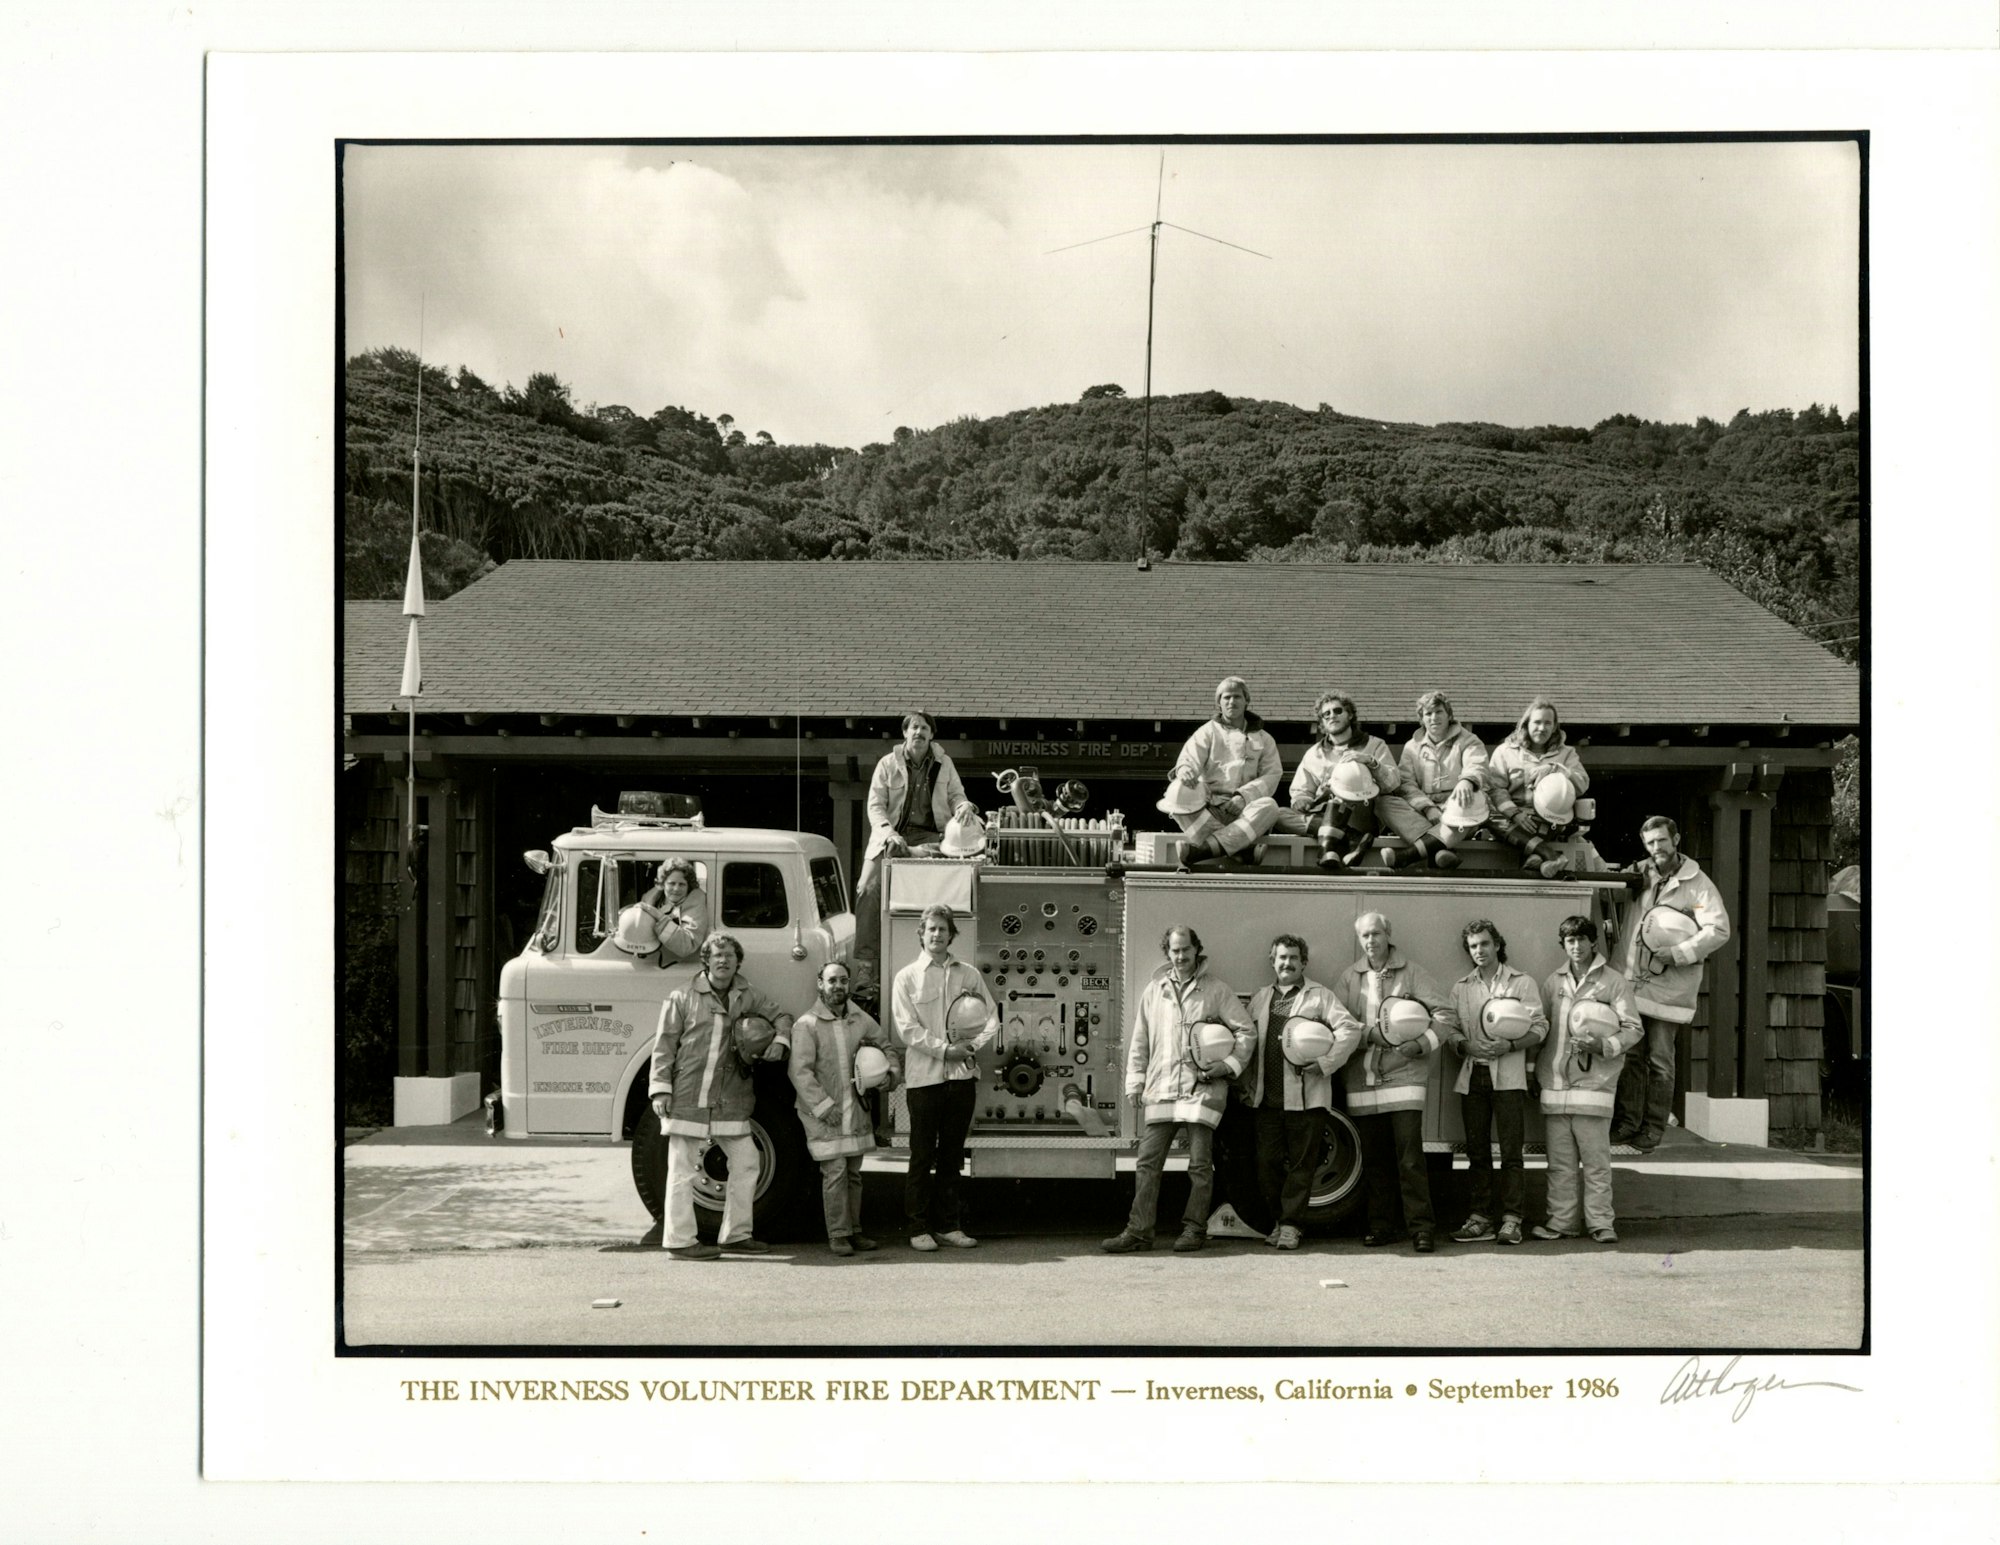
[{"x": 1063, "y": 916}]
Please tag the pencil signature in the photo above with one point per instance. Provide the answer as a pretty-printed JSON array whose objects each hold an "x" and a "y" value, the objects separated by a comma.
[{"x": 1691, "y": 1381}]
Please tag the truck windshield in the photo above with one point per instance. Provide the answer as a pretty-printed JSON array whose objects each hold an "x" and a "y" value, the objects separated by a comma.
[
  {"x": 597, "y": 907},
  {"x": 829, "y": 891}
]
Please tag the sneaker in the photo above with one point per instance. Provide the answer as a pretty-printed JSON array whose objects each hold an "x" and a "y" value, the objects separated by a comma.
[
  {"x": 695, "y": 1252},
  {"x": 1543, "y": 1231},
  {"x": 1444, "y": 858},
  {"x": 745, "y": 1247},
  {"x": 862, "y": 1242},
  {"x": 957, "y": 1238},
  {"x": 1124, "y": 1242},
  {"x": 1510, "y": 1231},
  {"x": 923, "y": 1242},
  {"x": 1191, "y": 1239},
  {"x": 1554, "y": 868},
  {"x": 1423, "y": 1244},
  {"x": 840, "y": 1245},
  {"x": 1391, "y": 857},
  {"x": 1287, "y": 1237},
  {"x": 1605, "y": 1236},
  {"x": 1474, "y": 1230}
]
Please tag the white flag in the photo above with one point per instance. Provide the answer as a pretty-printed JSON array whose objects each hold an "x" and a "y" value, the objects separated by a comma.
[
  {"x": 413, "y": 666},
  {"x": 413, "y": 587}
]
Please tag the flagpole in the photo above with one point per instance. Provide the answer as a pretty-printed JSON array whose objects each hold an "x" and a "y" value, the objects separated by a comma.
[{"x": 413, "y": 596}]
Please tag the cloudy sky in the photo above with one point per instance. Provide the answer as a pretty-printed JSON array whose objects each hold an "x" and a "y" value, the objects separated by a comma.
[{"x": 831, "y": 294}]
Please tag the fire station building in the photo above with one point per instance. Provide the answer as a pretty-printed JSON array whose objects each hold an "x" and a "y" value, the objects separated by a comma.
[{"x": 770, "y": 690}]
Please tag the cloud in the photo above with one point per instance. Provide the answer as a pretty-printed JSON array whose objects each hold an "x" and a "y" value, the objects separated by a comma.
[{"x": 834, "y": 292}]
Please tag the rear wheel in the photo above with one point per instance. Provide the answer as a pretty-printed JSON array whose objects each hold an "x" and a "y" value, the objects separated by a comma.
[
  {"x": 786, "y": 1174},
  {"x": 1336, "y": 1190}
]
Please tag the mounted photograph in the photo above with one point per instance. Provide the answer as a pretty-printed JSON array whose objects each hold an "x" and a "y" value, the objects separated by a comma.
[{"x": 1243, "y": 746}]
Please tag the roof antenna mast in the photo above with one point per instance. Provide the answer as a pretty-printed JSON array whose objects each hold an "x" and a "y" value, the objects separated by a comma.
[{"x": 1152, "y": 282}]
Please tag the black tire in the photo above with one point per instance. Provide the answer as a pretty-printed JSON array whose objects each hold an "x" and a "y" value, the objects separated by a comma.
[
  {"x": 1337, "y": 1193},
  {"x": 787, "y": 1178}
]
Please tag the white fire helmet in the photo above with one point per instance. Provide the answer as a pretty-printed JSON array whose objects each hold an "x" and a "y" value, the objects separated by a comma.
[
  {"x": 1664, "y": 927},
  {"x": 1353, "y": 784},
  {"x": 871, "y": 1068},
  {"x": 1593, "y": 1018},
  {"x": 753, "y": 1034},
  {"x": 638, "y": 930},
  {"x": 1209, "y": 1042},
  {"x": 1506, "y": 1019},
  {"x": 1306, "y": 1041},
  {"x": 1555, "y": 798},
  {"x": 966, "y": 1019},
  {"x": 1403, "y": 1020},
  {"x": 1183, "y": 798},
  {"x": 964, "y": 837},
  {"x": 1465, "y": 814}
]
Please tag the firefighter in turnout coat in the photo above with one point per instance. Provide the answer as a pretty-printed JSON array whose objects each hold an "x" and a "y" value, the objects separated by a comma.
[
  {"x": 1492, "y": 1084},
  {"x": 1665, "y": 986},
  {"x": 1161, "y": 1072},
  {"x": 703, "y": 1089},
  {"x": 1234, "y": 759},
  {"x": 1536, "y": 749},
  {"x": 832, "y": 1112},
  {"x": 1386, "y": 1085},
  {"x": 1289, "y": 1102},
  {"x": 1578, "y": 1069}
]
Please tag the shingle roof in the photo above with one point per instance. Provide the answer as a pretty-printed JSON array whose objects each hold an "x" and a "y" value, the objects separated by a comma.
[{"x": 1645, "y": 643}]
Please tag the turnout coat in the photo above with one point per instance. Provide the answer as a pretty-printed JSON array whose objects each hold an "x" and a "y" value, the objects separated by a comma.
[
  {"x": 1585, "y": 1085},
  {"x": 1158, "y": 1064},
  {"x": 1379, "y": 1081},
  {"x": 1470, "y": 994},
  {"x": 1309, "y": 1087},
  {"x": 831, "y": 1110},
  {"x": 1666, "y": 986},
  {"x": 695, "y": 1063}
]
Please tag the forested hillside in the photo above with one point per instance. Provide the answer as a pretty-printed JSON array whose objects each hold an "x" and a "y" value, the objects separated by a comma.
[{"x": 1770, "y": 500}]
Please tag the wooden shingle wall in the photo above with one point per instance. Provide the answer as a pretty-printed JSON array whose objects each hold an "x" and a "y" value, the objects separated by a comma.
[{"x": 1801, "y": 854}]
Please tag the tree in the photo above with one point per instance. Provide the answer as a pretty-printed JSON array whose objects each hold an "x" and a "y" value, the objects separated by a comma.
[{"x": 1108, "y": 389}]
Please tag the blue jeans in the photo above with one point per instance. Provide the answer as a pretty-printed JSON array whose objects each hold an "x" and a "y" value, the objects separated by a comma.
[
  {"x": 1153, "y": 1146},
  {"x": 1646, "y": 1086}
]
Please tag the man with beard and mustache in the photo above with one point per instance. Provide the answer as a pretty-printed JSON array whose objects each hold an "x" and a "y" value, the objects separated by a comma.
[
  {"x": 1665, "y": 986},
  {"x": 833, "y": 1113}
]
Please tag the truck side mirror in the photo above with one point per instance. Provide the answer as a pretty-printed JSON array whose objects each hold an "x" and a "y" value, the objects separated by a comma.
[{"x": 537, "y": 859}]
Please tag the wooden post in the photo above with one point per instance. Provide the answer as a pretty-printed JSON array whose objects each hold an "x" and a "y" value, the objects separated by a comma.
[
  {"x": 1724, "y": 1001},
  {"x": 1753, "y": 927},
  {"x": 437, "y": 932},
  {"x": 410, "y": 957}
]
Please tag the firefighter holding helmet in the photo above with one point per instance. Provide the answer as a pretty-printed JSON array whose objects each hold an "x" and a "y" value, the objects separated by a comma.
[
  {"x": 1303, "y": 1036},
  {"x": 1678, "y": 921},
  {"x": 1405, "y": 1017},
  {"x": 711, "y": 1030},
  {"x": 839, "y": 1053},
  {"x": 1500, "y": 1022},
  {"x": 1348, "y": 786},
  {"x": 1190, "y": 1036},
  {"x": 1534, "y": 777},
  {"x": 1225, "y": 780}
]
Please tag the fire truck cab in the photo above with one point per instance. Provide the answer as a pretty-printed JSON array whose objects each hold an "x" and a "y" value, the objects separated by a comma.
[{"x": 578, "y": 1015}]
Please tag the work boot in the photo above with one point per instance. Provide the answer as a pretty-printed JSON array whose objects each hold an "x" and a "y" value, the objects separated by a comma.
[
  {"x": 862, "y": 1242},
  {"x": 1197, "y": 851},
  {"x": 1124, "y": 1242},
  {"x": 1444, "y": 858},
  {"x": 839, "y": 1245},
  {"x": 1192, "y": 1239},
  {"x": 1329, "y": 852}
]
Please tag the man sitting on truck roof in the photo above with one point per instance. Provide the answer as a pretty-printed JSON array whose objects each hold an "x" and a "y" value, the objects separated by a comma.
[
  {"x": 702, "y": 1089},
  {"x": 912, "y": 797},
  {"x": 1344, "y": 825},
  {"x": 1442, "y": 760},
  {"x": 1160, "y": 1069},
  {"x": 1234, "y": 759}
]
